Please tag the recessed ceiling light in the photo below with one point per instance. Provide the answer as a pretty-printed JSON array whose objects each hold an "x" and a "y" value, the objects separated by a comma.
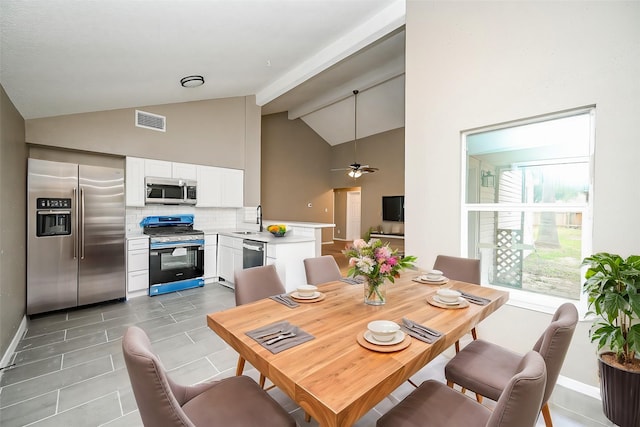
[{"x": 192, "y": 81}]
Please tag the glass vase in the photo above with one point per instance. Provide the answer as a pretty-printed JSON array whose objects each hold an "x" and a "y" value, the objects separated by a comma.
[{"x": 375, "y": 291}]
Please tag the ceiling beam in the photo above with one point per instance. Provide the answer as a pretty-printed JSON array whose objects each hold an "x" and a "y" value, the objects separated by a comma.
[{"x": 386, "y": 21}]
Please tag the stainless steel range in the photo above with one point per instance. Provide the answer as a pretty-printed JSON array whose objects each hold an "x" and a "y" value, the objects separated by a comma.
[{"x": 176, "y": 253}]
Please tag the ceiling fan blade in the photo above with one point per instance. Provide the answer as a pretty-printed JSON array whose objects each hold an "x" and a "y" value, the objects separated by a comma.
[
  {"x": 368, "y": 169},
  {"x": 340, "y": 169}
]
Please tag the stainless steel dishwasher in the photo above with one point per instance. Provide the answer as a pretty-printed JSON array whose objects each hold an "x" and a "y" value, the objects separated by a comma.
[{"x": 253, "y": 253}]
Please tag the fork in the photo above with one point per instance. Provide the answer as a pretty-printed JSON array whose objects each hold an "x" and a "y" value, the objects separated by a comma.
[{"x": 281, "y": 337}]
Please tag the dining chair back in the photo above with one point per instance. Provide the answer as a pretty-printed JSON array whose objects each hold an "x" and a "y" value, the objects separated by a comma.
[
  {"x": 162, "y": 402},
  {"x": 463, "y": 269},
  {"x": 437, "y": 405},
  {"x": 456, "y": 268},
  {"x": 253, "y": 284},
  {"x": 321, "y": 269},
  {"x": 520, "y": 401},
  {"x": 256, "y": 283}
]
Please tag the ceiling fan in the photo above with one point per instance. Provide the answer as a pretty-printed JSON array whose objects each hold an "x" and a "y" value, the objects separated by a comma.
[{"x": 356, "y": 169}]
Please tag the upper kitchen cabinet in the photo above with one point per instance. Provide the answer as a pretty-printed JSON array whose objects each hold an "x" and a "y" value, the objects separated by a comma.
[
  {"x": 164, "y": 169},
  {"x": 183, "y": 170},
  {"x": 220, "y": 187},
  {"x": 134, "y": 182}
]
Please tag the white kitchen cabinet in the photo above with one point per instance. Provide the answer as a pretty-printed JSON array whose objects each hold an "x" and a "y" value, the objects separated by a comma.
[
  {"x": 220, "y": 187},
  {"x": 134, "y": 179},
  {"x": 229, "y": 257},
  {"x": 137, "y": 265},
  {"x": 158, "y": 168},
  {"x": 232, "y": 192},
  {"x": 183, "y": 170},
  {"x": 210, "y": 257}
]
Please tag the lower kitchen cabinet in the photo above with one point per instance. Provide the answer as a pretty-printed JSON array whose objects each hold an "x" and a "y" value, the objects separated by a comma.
[
  {"x": 137, "y": 264},
  {"x": 210, "y": 257},
  {"x": 288, "y": 259},
  {"x": 229, "y": 257}
]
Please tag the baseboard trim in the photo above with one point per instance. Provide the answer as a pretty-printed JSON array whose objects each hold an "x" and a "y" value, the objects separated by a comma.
[
  {"x": 6, "y": 357},
  {"x": 579, "y": 398}
]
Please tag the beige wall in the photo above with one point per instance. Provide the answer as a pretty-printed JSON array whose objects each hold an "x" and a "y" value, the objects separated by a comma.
[
  {"x": 503, "y": 61},
  {"x": 13, "y": 184},
  {"x": 295, "y": 165},
  {"x": 218, "y": 132},
  {"x": 384, "y": 151}
]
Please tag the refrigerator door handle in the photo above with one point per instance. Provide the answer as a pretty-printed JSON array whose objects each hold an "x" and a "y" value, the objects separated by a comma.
[
  {"x": 75, "y": 234},
  {"x": 82, "y": 223}
]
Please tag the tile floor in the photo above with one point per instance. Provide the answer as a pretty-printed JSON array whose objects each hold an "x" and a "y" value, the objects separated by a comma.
[{"x": 69, "y": 370}]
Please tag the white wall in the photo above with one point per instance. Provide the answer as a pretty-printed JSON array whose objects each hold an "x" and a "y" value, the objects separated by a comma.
[{"x": 472, "y": 64}]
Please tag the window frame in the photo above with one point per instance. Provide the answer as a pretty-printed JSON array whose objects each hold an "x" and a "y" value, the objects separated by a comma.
[{"x": 520, "y": 298}]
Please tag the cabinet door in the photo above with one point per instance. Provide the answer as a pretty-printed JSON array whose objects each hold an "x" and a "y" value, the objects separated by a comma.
[
  {"x": 209, "y": 179},
  {"x": 237, "y": 261},
  {"x": 157, "y": 168},
  {"x": 134, "y": 182},
  {"x": 225, "y": 263},
  {"x": 232, "y": 191},
  {"x": 138, "y": 280},
  {"x": 183, "y": 170},
  {"x": 138, "y": 260}
]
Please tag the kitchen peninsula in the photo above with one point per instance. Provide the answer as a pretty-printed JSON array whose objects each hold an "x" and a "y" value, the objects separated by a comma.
[{"x": 302, "y": 240}]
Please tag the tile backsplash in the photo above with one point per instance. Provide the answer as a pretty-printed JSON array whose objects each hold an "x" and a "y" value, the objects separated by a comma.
[{"x": 204, "y": 218}]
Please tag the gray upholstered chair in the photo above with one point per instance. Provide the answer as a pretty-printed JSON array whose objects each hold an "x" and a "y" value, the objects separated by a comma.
[
  {"x": 235, "y": 401},
  {"x": 434, "y": 404},
  {"x": 253, "y": 284},
  {"x": 463, "y": 269},
  {"x": 485, "y": 368},
  {"x": 321, "y": 269}
]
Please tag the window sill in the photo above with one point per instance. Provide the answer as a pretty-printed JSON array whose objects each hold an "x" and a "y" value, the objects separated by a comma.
[{"x": 540, "y": 302}]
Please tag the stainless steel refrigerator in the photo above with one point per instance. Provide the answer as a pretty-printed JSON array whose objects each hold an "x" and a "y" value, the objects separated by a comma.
[{"x": 76, "y": 235}]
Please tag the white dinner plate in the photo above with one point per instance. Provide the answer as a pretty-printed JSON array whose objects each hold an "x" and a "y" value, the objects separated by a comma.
[
  {"x": 426, "y": 279},
  {"x": 396, "y": 340},
  {"x": 441, "y": 301},
  {"x": 295, "y": 294}
]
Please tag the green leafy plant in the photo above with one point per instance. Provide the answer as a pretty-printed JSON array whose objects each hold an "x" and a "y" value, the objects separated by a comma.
[{"x": 612, "y": 286}]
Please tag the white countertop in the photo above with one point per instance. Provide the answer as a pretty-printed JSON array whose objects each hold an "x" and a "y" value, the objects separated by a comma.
[
  {"x": 300, "y": 224},
  {"x": 266, "y": 237}
]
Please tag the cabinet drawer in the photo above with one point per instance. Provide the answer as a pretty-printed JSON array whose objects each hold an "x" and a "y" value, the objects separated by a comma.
[
  {"x": 138, "y": 280},
  {"x": 133, "y": 244},
  {"x": 138, "y": 260}
]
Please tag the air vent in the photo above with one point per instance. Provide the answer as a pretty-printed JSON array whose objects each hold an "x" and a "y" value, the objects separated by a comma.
[{"x": 150, "y": 121}]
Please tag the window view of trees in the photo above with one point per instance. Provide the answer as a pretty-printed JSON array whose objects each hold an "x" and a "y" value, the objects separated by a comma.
[{"x": 529, "y": 227}]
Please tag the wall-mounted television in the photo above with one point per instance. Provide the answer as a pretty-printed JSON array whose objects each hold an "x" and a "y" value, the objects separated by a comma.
[{"x": 393, "y": 208}]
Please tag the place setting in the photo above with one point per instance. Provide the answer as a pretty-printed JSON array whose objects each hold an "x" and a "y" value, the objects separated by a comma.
[
  {"x": 448, "y": 298},
  {"x": 279, "y": 336},
  {"x": 431, "y": 277},
  {"x": 383, "y": 336},
  {"x": 307, "y": 294}
]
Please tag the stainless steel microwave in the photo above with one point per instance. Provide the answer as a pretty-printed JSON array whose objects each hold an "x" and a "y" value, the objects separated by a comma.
[{"x": 170, "y": 191}]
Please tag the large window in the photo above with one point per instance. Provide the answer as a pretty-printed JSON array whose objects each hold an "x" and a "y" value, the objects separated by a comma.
[{"x": 527, "y": 202}]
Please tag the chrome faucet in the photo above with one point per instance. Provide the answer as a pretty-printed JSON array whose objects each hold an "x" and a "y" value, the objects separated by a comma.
[{"x": 259, "y": 217}]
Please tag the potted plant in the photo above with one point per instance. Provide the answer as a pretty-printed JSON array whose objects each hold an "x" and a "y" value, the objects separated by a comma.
[{"x": 612, "y": 286}]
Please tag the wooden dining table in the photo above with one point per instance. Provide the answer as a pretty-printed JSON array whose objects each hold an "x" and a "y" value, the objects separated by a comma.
[{"x": 332, "y": 377}]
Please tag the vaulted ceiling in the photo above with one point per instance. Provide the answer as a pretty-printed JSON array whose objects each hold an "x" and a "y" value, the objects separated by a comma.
[{"x": 304, "y": 57}]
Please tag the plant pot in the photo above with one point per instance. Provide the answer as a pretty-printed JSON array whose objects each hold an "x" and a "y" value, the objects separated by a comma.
[{"x": 620, "y": 391}]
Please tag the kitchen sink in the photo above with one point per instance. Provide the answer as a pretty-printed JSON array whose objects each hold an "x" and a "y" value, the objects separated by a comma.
[{"x": 245, "y": 232}]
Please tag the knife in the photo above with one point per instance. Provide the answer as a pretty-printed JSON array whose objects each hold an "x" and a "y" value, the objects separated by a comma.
[
  {"x": 473, "y": 298},
  {"x": 416, "y": 326},
  {"x": 287, "y": 301},
  {"x": 429, "y": 339}
]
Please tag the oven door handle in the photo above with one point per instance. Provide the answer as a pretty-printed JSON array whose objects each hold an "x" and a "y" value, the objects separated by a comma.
[{"x": 175, "y": 245}]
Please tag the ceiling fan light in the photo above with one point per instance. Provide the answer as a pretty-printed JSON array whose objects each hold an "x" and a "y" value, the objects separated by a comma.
[{"x": 355, "y": 174}]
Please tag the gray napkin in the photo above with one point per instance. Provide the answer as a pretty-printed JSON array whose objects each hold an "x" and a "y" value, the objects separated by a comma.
[
  {"x": 352, "y": 280},
  {"x": 474, "y": 298},
  {"x": 420, "y": 332},
  {"x": 264, "y": 334},
  {"x": 285, "y": 299}
]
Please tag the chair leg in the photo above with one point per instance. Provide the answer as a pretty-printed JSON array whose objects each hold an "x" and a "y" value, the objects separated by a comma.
[
  {"x": 450, "y": 383},
  {"x": 412, "y": 383},
  {"x": 307, "y": 417},
  {"x": 474, "y": 334},
  {"x": 546, "y": 414},
  {"x": 240, "y": 367},
  {"x": 478, "y": 398},
  {"x": 457, "y": 346},
  {"x": 262, "y": 380}
]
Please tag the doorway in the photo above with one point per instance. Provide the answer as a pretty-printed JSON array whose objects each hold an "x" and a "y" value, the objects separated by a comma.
[
  {"x": 353, "y": 215},
  {"x": 347, "y": 213}
]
